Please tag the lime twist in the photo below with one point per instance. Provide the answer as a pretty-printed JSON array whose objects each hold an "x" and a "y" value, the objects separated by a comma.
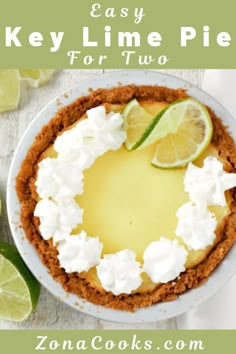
[{"x": 182, "y": 131}]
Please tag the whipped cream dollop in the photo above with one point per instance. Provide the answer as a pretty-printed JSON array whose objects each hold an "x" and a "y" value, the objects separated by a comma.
[
  {"x": 91, "y": 137},
  {"x": 79, "y": 253},
  {"x": 164, "y": 260},
  {"x": 196, "y": 226},
  {"x": 57, "y": 219},
  {"x": 60, "y": 180},
  {"x": 120, "y": 272},
  {"x": 207, "y": 185}
]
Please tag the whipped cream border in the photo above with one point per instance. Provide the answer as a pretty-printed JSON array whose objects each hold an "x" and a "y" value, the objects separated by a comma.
[{"x": 96, "y": 135}]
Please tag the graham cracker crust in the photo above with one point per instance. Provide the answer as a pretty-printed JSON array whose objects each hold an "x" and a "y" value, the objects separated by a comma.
[{"x": 76, "y": 283}]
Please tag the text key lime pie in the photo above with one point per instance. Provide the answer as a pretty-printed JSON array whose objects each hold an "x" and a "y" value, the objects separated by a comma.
[{"x": 128, "y": 195}]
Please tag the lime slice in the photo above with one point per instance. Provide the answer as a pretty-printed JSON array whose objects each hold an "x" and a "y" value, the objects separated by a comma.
[
  {"x": 183, "y": 132},
  {"x": 36, "y": 77},
  {"x": 136, "y": 119},
  {"x": 19, "y": 290},
  {"x": 9, "y": 89}
]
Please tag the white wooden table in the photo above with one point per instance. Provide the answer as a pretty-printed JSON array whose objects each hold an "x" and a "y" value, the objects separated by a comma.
[{"x": 51, "y": 313}]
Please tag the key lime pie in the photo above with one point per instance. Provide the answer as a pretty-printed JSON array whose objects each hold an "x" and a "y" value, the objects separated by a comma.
[{"x": 128, "y": 195}]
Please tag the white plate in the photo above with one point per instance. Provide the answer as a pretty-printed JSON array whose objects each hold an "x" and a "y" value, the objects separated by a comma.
[{"x": 156, "y": 312}]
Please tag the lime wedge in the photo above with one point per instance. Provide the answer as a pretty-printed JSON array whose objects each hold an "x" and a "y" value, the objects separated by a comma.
[
  {"x": 183, "y": 132},
  {"x": 136, "y": 120},
  {"x": 19, "y": 290},
  {"x": 36, "y": 77},
  {"x": 9, "y": 89}
]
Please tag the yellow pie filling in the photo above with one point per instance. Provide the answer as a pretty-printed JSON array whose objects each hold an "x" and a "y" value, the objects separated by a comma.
[{"x": 129, "y": 203}]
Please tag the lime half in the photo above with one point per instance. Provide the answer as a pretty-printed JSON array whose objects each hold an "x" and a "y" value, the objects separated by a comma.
[
  {"x": 36, "y": 77},
  {"x": 9, "y": 89},
  {"x": 19, "y": 290}
]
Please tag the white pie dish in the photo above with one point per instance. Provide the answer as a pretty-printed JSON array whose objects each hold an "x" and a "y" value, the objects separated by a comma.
[{"x": 156, "y": 312}]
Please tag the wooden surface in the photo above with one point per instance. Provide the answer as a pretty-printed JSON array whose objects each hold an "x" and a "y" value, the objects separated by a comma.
[{"x": 50, "y": 312}]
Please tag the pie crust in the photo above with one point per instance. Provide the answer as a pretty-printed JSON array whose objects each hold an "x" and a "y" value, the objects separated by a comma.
[{"x": 78, "y": 283}]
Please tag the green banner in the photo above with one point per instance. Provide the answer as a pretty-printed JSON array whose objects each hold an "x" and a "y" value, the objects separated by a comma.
[
  {"x": 118, "y": 341},
  {"x": 118, "y": 34}
]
